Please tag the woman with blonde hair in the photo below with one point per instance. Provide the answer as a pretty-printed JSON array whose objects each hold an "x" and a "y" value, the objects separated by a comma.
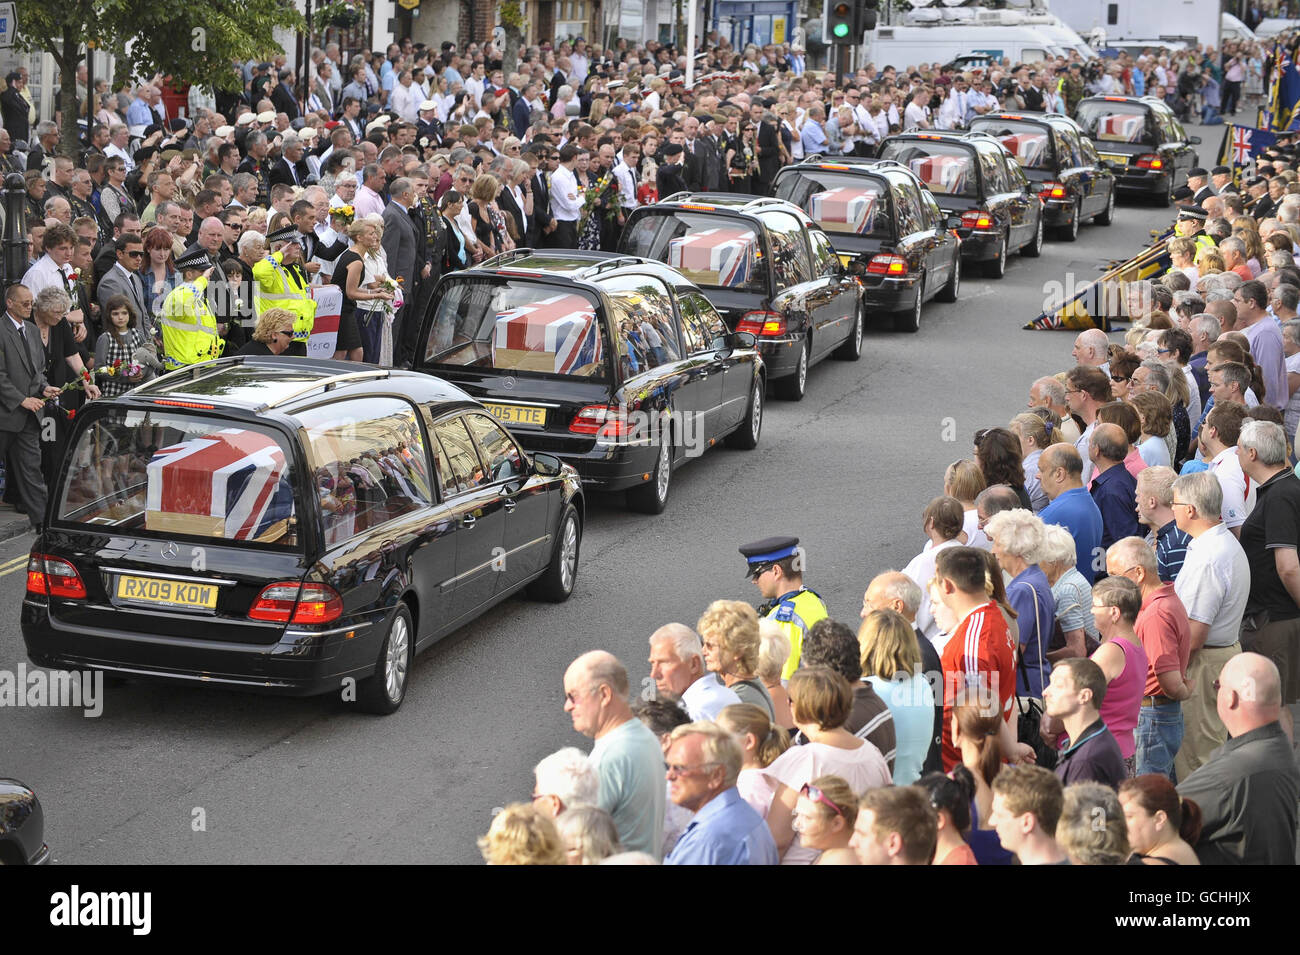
[
  {"x": 521, "y": 835},
  {"x": 821, "y": 701},
  {"x": 587, "y": 834},
  {"x": 964, "y": 480},
  {"x": 1209, "y": 262},
  {"x": 729, "y": 633},
  {"x": 761, "y": 742},
  {"x": 361, "y": 271},
  {"x": 773, "y": 651},
  {"x": 891, "y": 663},
  {"x": 824, "y": 817},
  {"x": 1035, "y": 435}
]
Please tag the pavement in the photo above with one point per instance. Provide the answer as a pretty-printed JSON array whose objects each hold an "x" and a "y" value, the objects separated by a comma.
[{"x": 201, "y": 775}]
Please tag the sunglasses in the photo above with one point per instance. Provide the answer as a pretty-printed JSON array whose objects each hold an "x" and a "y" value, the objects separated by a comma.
[
  {"x": 134, "y": 255},
  {"x": 1120, "y": 379},
  {"x": 816, "y": 795}
]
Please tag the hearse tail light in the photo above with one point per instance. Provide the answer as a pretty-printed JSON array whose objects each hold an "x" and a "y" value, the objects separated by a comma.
[
  {"x": 762, "y": 324},
  {"x": 884, "y": 264},
  {"x": 604, "y": 421},
  {"x": 287, "y": 601},
  {"x": 173, "y": 403},
  {"x": 52, "y": 577},
  {"x": 976, "y": 219},
  {"x": 1149, "y": 161},
  {"x": 1052, "y": 190}
]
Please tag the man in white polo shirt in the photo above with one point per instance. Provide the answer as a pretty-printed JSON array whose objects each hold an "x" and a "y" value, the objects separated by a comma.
[
  {"x": 1213, "y": 585},
  {"x": 1218, "y": 443},
  {"x": 566, "y": 207}
]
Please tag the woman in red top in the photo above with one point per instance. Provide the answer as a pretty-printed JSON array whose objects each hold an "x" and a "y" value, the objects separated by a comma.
[{"x": 951, "y": 796}]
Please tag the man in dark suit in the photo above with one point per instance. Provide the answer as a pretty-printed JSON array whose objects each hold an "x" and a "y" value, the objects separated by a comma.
[
  {"x": 541, "y": 223},
  {"x": 14, "y": 109},
  {"x": 702, "y": 156},
  {"x": 768, "y": 141},
  {"x": 291, "y": 168},
  {"x": 23, "y": 390},
  {"x": 671, "y": 178},
  {"x": 124, "y": 279},
  {"x": 521, "y": 113},
  {"x": 283, "y": 98},
  {"x": 403, "y": 245}
]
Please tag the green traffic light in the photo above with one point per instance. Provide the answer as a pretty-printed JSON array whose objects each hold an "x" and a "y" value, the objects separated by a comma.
[{"x": 841, "y": 29}]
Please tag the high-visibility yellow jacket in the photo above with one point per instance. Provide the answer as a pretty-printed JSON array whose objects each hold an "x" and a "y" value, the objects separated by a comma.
[
  {"x": 189, "y": 328},
  {"x": 795, "y": 613},
  {"x": 278, "y": 287}
]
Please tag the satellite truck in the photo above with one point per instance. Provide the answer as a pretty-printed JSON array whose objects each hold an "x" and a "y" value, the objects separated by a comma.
[
  {"x": 1153, "y": 23},
  {"x": 946, "y": 30}
]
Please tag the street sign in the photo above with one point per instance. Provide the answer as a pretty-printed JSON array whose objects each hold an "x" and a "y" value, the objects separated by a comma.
[{"x": 8, "y": 25}]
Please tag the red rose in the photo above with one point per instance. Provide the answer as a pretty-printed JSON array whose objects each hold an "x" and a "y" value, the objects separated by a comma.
[{"x": 71, "y": 414}]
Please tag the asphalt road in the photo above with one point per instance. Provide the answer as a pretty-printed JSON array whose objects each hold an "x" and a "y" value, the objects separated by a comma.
[{"x": 848, "y": 470}]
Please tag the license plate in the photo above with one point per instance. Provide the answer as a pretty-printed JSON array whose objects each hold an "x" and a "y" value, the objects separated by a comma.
[
  {"x": 1115, "y": 157},
  {"x": 167, "y": 593},
  {"x": 517, "y": 414}
]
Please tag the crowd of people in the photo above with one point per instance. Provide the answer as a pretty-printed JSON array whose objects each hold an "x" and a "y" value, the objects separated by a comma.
[
  {"x": 1105, "y": 611},
  {"x": 1103, "y": 623}
]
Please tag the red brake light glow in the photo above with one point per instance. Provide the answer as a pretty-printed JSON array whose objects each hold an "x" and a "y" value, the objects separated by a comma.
[
  {"x": 287, "y": 601},
  {"x": 604, "y": 421},
  {"x": 762, "y": 324},
  {"x": 53, "y": 577},
  {"x": 173, "y": 403},
  {"x": 1149, "y": 161},
  {"x": 887, "y": 265},
  {"x": 1052, "y": 190},
  {"x": 976, "y": 219}
]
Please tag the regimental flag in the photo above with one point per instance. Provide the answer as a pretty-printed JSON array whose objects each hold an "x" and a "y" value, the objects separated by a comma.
[
  {"x": 1242, "y": 145},
  {"x": 1284, "y": 88},
  {"x": 1098, "y": 303}
]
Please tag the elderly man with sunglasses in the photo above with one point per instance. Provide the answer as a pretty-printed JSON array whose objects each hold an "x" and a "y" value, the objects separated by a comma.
[{"x": 703, "y": 763}]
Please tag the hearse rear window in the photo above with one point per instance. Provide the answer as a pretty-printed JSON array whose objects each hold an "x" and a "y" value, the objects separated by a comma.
[
  {"x": 1109, "y": 122},
  {"x": 946, "y": 169},
  {"x": 515, "y": 326},
  {"x": 839, "y": 202},
  {"x": 1028, "y": 143},
  {"x": 713, "y": 251},
  {"x": 168, "y": 475}
]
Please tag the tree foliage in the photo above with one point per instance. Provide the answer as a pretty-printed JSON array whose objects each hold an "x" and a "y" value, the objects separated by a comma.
[{"x": 193, "y": 41}]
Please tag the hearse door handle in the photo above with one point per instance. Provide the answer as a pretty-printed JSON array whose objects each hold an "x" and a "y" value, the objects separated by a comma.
[
  {"x": 467, "y": 521},
  {"x": 509, "y": 504}
]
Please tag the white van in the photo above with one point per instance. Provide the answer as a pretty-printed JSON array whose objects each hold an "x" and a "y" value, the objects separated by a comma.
[{"x": 901, "y": 46}]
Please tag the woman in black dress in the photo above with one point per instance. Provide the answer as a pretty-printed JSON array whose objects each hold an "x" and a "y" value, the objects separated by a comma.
[
  {"x": 349, "y": 269},
  {"x": 482, "y": 194},
  {"x": 273, "y": 335},
  {"x": 63, "y": 365}
]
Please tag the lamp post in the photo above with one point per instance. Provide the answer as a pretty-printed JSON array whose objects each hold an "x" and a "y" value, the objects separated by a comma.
[{"x": 14, "y": 258}]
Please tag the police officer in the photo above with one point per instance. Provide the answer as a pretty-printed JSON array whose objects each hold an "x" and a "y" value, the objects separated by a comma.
[
  {"x": 1191, "y": 224},
  {"x": 1198, "y": 180},
  {"x": 282, "y": 283},
  {"x": 189, "y": 328},
  {"x": 776, "y": 566}
]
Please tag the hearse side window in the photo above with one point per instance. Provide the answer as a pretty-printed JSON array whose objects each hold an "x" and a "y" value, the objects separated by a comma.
[
  {"x": 504, "y": 460},
  {"x": 789, "y": 258},
  {"x": 641, "y": 312},
  {"x": 701, "y": 322},
  {"x": 828, "y": 263},
  {"x": 369, "y": 463},
  {"x": 467, "y": 470}
]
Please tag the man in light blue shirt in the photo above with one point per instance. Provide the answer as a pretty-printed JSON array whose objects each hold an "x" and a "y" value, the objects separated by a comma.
[
  {"x": 139, "y": 112},
  {"x": 627, "y": 756},
  {"x": 1060, "y": 473},
  {"x": 814, "y": 136},
  {"x": 703, "y": 763}
]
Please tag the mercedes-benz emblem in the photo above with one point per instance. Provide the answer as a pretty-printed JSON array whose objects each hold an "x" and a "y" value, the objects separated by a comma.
[{"x": 170, "y": 550}]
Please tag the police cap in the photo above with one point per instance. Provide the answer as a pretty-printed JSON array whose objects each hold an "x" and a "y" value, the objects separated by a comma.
[{"x": 767, "y": 551}]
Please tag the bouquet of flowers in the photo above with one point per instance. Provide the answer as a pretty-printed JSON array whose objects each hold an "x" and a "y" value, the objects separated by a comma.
[
  {"x": 130, "y": 369},
  {"x": 345, "y": 214},
  {"x": 602, "y": 197}
]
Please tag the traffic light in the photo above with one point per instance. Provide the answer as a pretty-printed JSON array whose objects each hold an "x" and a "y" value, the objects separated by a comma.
[
  {"x": 841, "y": 20},
  {"x": 868, "y": 14}
]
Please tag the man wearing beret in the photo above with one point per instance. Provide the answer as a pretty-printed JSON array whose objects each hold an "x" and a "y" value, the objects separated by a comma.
[
  {"x": 670, "y": 178},
  {"x": 1221, "y": 177},
  {"x": 1198, "y": 180},
  {"x": 775, "y": 565}
]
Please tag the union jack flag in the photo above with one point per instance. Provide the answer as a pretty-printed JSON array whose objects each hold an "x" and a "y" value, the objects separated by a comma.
[{"x": 1241, "y": 145}]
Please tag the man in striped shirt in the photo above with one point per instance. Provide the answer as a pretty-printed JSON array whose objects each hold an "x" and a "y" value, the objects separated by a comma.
[
  {"x": 1155, "y": 498},
  {"x": 979, "y": 664}
]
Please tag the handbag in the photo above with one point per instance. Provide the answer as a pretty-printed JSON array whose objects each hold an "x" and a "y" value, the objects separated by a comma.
[{"x": 1029, "y": 721}]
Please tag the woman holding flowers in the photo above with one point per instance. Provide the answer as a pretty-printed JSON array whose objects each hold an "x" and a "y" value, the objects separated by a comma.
[
  {"x": 64, "y": 370},
  {"x": 361, "y": 271}
]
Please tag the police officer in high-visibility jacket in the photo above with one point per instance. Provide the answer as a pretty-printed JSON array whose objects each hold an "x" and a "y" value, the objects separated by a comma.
[
  {"x": 1191, "y": 224},
  {"x": 280, "y": 282},
  {"x": 189, "y": 329},
  {"x": 776, "y": 566}
]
